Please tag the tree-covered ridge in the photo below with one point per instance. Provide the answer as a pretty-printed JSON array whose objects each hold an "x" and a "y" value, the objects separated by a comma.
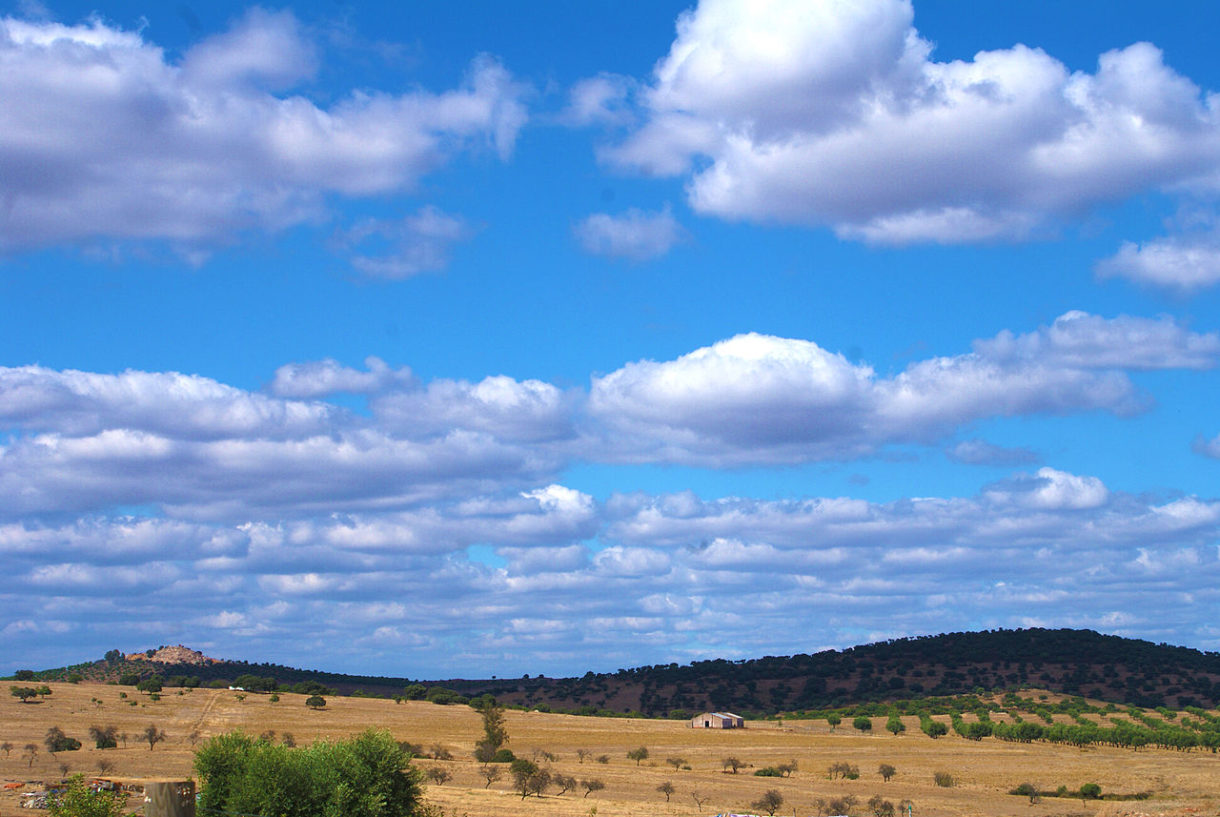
[{"x": 1071, "y": 662}]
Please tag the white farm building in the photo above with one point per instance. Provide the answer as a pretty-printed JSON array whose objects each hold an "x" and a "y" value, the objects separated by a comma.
[{"x": 718, "y": 720}]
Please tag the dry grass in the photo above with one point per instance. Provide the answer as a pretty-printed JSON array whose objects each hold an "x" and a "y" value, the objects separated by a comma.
[{"x": 1182, "y": 783}]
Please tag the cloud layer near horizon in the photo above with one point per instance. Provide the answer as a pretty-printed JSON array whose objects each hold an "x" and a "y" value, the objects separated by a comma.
[{"x": 442, "y": 510}]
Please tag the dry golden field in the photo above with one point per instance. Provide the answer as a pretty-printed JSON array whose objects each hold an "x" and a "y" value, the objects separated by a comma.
[{"x": 1182, "y": 783}]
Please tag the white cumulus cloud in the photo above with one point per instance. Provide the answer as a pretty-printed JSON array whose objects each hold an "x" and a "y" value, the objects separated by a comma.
[{"x": 837, "y": 113}]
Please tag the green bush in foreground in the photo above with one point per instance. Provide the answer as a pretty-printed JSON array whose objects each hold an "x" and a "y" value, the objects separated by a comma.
[
  {"x": 367, "y": 776},
  {"x": 78, "y": 800}
]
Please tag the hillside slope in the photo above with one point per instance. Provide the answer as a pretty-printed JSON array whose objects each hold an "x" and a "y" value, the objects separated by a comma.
[{"x": 1073, "y": 662}]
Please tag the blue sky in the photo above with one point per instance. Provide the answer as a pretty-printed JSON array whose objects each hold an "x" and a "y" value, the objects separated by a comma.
[{"x": 473, "y": 340}]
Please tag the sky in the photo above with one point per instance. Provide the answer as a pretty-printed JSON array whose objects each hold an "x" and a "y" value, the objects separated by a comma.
[{"x": 474, "y": 339}]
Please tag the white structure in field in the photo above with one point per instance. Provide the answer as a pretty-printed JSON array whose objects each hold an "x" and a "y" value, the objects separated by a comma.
[{"x": 718, "y": 720}]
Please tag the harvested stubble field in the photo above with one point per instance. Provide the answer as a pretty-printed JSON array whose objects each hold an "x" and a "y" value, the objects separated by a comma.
[{"x": 1182, "y": 783}]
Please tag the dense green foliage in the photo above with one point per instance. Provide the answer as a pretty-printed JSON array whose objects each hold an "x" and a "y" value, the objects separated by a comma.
[
  {"x": 78, "y": 800},
  {"x": 368, "y": 776}
]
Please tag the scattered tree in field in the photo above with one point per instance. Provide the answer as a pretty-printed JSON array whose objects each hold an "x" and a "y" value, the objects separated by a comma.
[
  {"x": 528, "y": 778},
  {"x": 288, "y": 740},
  {"x": 731, "y": 764},
  {"x": 6, "y": 747},
  {"x": 1090, "y": 791},
  {"x": 844, "y": 770},
  {"x": 786, "y": 769},
  {"x": 895, "y": 726},
  {"x": 123, "y": 738},
  {"x": 31, "y": 753},
  {"x": 43, "y": 690},
  {"x": 943, "y": 779},
  {"x": 64, "y": 768},
  {"x": 437, "y": 775},
  {"x": 491, "y": 773},
  {"x": 769, "y": 802},
  {"x": 104, "y": 765},
  {"x": 841, "y": 805},
  {"x": 698, "y": 797},
  {"x": 638, "y": 754},
  {"x": 153, "y": 684},
  {"x": 441, "y": 752},
  {"x": 153, "y": 735},
  {"x": 1027, "y": 790},
  {"x": 495, "y": 734},
  {"x": 104, "y": 737},
  {"x": 57, "y": 741},
  {"x": 581, "y": 754},
  {"x": 603, "y": 759},
  {"x": 886, "y": 771},
  {"x": 193, "y": 737},
  {"x": 315, "y": 702},
  {"x": 563, "y": 782},
  {"x": 834, "y": 720},
  {"x": 863, "y": 724},
  {"x": 79, "y": 800},
  {"x": 905, "y": 807},
  {"x": 676, "y": 762},
  {"x": 542, "y": 754},
  {"x": 880, "y": 807},
  {"x": 666, "y": 789},
  {"x": 24, "y": 693},
  {"x": 591, "y": 785}
]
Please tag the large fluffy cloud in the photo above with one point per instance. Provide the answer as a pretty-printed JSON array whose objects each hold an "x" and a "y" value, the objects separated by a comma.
[
  {"x": 756, "y": 398},
  {"x": 836, "y": 114},
  {"x": 83, "y": 442},
  {"x": 199, "y": 149}
]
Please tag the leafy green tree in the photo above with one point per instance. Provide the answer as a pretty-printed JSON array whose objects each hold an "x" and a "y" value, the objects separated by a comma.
[
  {"x": 1090, "y": 791},
  {"x": 591, "y": 785},
  {"x": 24, "y": 675},
  {"x": 895, "y": 726},
  {"x": 528, "y": 778},
  {"x": 315, "y": 702},
  {"x": 863, "y": 723},
  {"x": 366, "y": 776},
  {"x": 151, "y": 684},
  {"x": 24, "y": 693},
  {"x": 638, "y": 754},
  {"x": 77, "y": 799},
  {"x": 495, "y": 734},
  {"x": 834, "y": 720}
]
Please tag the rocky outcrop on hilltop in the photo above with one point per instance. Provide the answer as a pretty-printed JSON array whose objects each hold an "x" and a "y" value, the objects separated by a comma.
[{"x": 176, "y": 654}]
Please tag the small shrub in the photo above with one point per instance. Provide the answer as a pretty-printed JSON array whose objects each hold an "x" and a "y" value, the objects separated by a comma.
[
  {"x": 943, "y": 779},
  {"x": 769, "y": 771}
]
